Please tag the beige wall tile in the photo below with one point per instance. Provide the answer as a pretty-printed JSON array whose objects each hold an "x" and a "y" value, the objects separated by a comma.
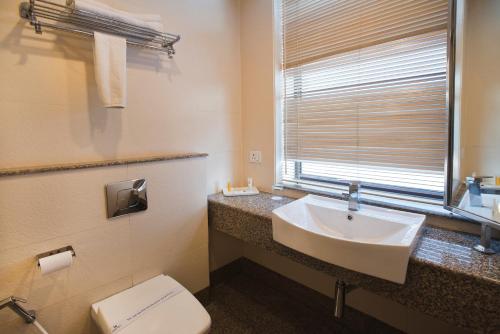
[
  {"x": 223, "y": 249},
  {"x": 189, "y": 103},
  {"x": 103, "y": 255},
  {"x": 380, "y": 308},
  {"x": 311, "y": 278},
  {"x": 480, "y": 98},
  {"x": 228, "y": 168},
  {"x": 257, "y": 74},
  {"x": 36, "y": 135},
  {"x": 190, "y": 268},
  {"x": 18, "y": 326},
  {"x": 51, "y": 114},
  {"x": 170, "y": 237},
  {"x": 482, "y": 160},
  {"x": 35, "y": 208},
  {"x": 73, "y": 315},
  {"x": 176, "y": 219}
]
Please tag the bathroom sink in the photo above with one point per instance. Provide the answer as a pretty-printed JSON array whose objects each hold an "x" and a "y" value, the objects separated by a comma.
[
  {"x": 488, "y": 197},
  {"x": 374, "y": 241}
]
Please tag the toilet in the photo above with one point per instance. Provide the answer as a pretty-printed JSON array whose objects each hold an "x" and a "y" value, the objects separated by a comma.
[{"x": 159, "y": 305}]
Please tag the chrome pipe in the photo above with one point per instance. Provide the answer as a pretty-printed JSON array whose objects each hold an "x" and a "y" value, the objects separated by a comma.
[
  {"x": 12, "y": 302},
  {"x": 485, "y": 244},
  {"x": 340, "y": 288}
]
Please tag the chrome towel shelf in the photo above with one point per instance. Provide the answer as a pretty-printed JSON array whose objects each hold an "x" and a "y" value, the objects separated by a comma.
[{"x": 64, "y": 18}]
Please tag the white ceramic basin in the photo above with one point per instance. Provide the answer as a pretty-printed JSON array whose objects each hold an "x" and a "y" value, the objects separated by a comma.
[
  {"x": 376, "y": 241},
  {"x": 486, "y": 210}
]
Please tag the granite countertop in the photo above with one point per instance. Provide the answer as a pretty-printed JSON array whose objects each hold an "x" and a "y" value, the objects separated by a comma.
[
  {"x": 14, "y": 171},
  {"x": 446, "y": 278}
]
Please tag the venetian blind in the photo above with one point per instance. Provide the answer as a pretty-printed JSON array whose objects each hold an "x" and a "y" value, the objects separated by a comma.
[{"x": 365, "y": 91}]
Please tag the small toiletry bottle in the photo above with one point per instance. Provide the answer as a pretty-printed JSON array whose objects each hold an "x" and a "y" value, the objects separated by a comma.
[
  {"x": 497, "y": 180},
  {"x": 229, "y": 186},
  {"x": 250, "y": 183}
]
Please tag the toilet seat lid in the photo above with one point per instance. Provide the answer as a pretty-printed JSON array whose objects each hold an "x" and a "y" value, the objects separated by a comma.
[{"x": 159, "y": 305}]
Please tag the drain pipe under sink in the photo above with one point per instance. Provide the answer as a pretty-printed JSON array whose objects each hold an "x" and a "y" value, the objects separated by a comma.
[{"x": 341, "y": 288}]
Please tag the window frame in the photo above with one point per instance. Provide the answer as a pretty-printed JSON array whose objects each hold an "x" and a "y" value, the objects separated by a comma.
[{"x": 339, "y": 186}]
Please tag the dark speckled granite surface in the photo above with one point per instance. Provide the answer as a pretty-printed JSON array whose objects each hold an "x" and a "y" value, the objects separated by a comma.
[
  {"x": 261, "y": 205},
  {"x": 446, "y": 278},
  {"x": 95, "y": 164}
]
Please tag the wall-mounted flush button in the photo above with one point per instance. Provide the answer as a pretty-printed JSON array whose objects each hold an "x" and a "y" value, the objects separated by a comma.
[{"x": 126, "y": 197}]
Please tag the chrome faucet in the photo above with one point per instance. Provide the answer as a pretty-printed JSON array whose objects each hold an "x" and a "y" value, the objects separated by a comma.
[
  {"x": 12, "y": 303},
  {"x": 354, "y": 196},
  {"x": 474, "y": 187}
]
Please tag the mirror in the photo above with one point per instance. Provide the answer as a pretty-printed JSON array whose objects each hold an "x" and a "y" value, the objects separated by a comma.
[{"x": 473, "y": 178}]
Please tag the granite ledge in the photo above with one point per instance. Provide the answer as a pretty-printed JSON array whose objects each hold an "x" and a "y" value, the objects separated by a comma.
[
  {"x": 445, "y": 279},
  {"x": 95, "y": 164}
]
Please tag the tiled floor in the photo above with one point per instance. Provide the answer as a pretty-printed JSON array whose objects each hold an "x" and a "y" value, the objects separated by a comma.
[
  {"x": 243, "y": 303},
  {"x": 242, "y": 306}
]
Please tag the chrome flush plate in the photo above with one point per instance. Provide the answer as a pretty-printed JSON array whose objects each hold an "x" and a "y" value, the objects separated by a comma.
[{"x": 126, "y": 197}]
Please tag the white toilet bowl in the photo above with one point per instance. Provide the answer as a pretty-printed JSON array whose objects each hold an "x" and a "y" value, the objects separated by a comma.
[{"x": 159, "y": 305}]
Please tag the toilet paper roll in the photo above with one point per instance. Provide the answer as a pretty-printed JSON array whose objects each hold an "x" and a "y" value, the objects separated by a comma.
[{"x": 55, "y": 262}]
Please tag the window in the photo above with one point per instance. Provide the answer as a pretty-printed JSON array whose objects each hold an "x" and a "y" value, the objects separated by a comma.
[{"x": 364, "y": 94}]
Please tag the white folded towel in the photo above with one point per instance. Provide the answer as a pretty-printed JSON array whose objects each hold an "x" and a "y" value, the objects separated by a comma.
[
  {"x": 110, "y": 63},
  {"x": 147, "y": 21}
]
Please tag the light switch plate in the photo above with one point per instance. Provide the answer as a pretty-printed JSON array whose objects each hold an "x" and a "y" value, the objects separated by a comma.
[{"x": 255, "y": 157}]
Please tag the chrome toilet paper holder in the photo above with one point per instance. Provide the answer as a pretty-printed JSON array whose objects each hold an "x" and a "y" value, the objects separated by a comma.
[{"x": 54, "y": 252}]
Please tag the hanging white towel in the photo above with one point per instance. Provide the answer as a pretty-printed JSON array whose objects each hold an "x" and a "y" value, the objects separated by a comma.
[
  {"x": 89, "y": 7},
  {"x": 110, "y": 63}
]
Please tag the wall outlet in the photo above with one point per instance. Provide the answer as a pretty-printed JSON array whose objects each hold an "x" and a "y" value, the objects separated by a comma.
[{"x": 255, "y": 157}]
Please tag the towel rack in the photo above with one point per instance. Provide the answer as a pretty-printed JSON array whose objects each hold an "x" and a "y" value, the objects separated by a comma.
[{"x": 65, "y": 18}]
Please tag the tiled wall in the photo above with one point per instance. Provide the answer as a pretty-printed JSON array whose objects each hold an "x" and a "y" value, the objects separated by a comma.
[
  {"x": 480, "y": 101},
  {"x": 47, "y": 211},
  {"x": 50, "y": 113},
  {"x": 257, "y": 74}
]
